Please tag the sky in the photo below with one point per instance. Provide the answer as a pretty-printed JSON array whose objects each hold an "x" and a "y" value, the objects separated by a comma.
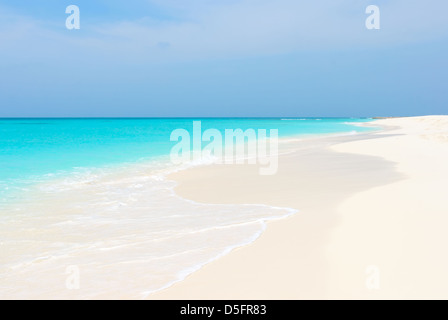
[{"x": 226, "y": 58}]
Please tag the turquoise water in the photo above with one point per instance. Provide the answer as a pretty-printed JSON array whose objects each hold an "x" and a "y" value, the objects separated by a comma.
[
  {"x": 94, "y": 194},
  {"x": 36, "y": 147}
]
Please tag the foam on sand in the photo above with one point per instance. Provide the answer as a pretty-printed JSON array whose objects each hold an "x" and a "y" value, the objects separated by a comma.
[{"x": 125, "y": 230}]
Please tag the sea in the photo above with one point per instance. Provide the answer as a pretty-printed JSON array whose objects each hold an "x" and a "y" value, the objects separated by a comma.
[{"x": 87, "y": 210}]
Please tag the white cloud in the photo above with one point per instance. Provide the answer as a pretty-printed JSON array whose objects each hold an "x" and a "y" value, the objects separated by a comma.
[{"x": 233, "y": 28}]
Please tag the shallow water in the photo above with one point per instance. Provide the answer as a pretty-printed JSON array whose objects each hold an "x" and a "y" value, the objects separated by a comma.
[{"x": 110, "y": 213}]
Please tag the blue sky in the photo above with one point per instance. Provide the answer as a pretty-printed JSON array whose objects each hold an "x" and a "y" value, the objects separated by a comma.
[{"x": 223, "y": 58}]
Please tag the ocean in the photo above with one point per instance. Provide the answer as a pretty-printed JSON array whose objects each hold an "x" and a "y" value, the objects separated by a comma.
[{"x": 86, "y": 210}]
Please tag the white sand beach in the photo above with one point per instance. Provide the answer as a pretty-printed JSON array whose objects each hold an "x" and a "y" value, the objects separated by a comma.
[{"x": 372, "y": 221}]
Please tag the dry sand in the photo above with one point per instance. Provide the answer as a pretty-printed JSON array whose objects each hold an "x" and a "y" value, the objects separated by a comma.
[{"x": 372, "y": 220}]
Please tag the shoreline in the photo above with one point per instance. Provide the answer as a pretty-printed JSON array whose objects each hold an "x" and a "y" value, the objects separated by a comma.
[
  {"x": 349, "y": 194},
  {"x": 285, "y": 141},
  {"x": 74, "y": 198},
  {"x": 290, "y": 260},
  {"x": 188, "y": 178}
]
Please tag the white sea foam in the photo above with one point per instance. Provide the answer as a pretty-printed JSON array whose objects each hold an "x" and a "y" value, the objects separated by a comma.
[
  {"x": 124, "y": 228},
  {"x": 359, "y": 124}
]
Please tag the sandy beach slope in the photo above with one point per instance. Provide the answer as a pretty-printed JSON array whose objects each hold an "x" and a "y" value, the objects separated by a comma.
[{"x": 372, "y": 221}]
